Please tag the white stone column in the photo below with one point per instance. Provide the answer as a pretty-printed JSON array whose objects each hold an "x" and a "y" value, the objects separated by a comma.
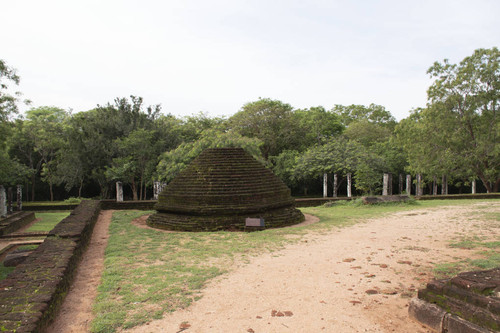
[
  {"x": 325, "y": 185},
  {"x": 418, "y": 190},
  {"x": 19, "y": 197},
  {"x": 335, "y": 184},
  {"x": 408, "y": 184},
  {"x": 473, "y": 186},
  {"x": 349, "y": 185},
  {"x": 156, "y": 190},
  {"x": 119, "y": 191},
  {"x": 3, "y": 202},
  {"x": 385, "y": 189}
]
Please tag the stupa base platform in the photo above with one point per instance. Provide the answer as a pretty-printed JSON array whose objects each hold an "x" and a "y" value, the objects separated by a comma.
[{"x": 276, "y": 218}]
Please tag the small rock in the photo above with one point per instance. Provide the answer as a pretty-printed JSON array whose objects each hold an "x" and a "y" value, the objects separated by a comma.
[
  {"x": 348, "y": 260},
  {"x": 288, "y": 313},
  {"x": 383, "y": 266},
  {"x": 258, "y": 317},
  {"x": 371, "y": 292},
  {"x": 184, "y": 325},
  {"x": 280, "y": 314},
  {"x": 250, "y": 330},
  {"x": 273, "y": 313},
  {"x": 355, "y": 302}
]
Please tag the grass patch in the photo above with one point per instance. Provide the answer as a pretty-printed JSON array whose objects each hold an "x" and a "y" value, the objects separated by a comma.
[
  {"x": 149, "y": 272},
  {"x": 48, "y": 220},
  {"x": 30, "y": 247},
  {"x": 4, "y": 271}
]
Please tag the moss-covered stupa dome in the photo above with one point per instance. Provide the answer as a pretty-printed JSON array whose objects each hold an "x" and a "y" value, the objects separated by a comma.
[{"x": 219, "y": 190}]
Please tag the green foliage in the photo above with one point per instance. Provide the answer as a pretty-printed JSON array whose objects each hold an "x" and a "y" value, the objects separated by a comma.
[
  {"x": 174, "y": 161},
  {"x": 270, "y": 121},
  {"x": 375, "y": 114},
  {"x": 73, "y": 200},
  {"x": 317, "y": 125},
  {"x": 8, "y": 102},
  {"x": 457, "y": 134}
]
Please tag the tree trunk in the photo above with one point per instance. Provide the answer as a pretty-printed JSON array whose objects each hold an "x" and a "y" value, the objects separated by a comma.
[
  {"x": 80, "y": 189},
  {"x": 140, "y": 194},
  {"x": 134, "y": 190},
  {"x": 33, "y": 187},
  {"x": 496, "y": 186},
  {"x": 335, "y": 185},
  {"x": 51, "y": 192},
  {"x": 485, "y": 182}
]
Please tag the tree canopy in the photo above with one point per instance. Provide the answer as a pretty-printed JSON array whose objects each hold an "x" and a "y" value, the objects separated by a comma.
[{"x": 57, "y": 153}]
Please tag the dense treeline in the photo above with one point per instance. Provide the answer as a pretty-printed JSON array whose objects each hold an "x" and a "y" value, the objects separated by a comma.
[{"x": 57, "y": 154}]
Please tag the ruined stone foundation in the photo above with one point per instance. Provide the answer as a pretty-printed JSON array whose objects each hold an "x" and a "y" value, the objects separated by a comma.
[
  {"x": 467, "y": 303},
  {"x": 219, "y": 190}
]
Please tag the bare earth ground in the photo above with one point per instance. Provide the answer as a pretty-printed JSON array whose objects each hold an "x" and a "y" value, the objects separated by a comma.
[
  {"x": 355, "y": 279},
  {"x": 76, "y": 311}
]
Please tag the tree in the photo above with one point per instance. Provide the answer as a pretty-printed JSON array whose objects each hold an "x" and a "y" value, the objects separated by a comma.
[
  {"x": 135, "y": 153},
  {"x": 11, "y": 171},
  {"x": 8, "y": 102},
  {"x": 270, "y": 121},
  {"x": 373, "y": 113},
  {"x": 93, "y": 135},
  {"x": 459, "y": 129},
  {"x": 44, "y": 128},
  {"x": 317, "y": 125},
  {"x": 174, "y": 161}
]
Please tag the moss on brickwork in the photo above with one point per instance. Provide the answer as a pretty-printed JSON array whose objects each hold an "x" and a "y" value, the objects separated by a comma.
[
  {"x": 221, "y": 188},
  {"x": 31, "y": 295}
]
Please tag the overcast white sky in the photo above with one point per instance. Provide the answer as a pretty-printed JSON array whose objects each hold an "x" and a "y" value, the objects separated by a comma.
[{"x": 215, "y": 56}]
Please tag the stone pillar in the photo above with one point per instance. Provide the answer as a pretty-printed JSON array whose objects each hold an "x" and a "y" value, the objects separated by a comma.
[
  {"x": 349, "y": 185},
  {"x": 325, "y": 185},
  {"x": 335, "y": 184},
  {"x": 119, "y": 191},
  {"x": 444, "y": 185},
  {"x": 156, "y": 190},
  {"x": 3, "y": 202},
  {"x": 434, "y": 186},
  {"x": 400, "y": 183},
  {"x": 9, "y": 200},
  {"x": 408, "y": 184},
  {"x": 385, "y": 188},
  {"x": 418, "y": 190},
  {"x": 473, "y": 186},
  {"x": 19, "y": 197}
]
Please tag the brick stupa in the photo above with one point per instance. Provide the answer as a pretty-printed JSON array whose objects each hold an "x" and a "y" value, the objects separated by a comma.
[{"x": 219, "y": 190}]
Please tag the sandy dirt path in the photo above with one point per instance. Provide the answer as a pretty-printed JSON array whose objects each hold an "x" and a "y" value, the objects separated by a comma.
[
  {"x": 76, "y": 311},
  {"x": 355, "y": 279}
]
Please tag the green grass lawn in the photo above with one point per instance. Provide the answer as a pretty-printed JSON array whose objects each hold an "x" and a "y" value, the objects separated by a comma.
[
  {"x": 150, "y": 272},
  {"x": 4, "y": 271},
  {"x": 48, "y": 220}
]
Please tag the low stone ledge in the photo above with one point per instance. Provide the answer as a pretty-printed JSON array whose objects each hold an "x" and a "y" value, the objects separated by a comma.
[
  {"x": 426, "y": 313},
  {"x": 16, "y": 222},
  {"x": 384, "y": 199},
  {"x": 31, "y": 295},
  {"x": 126, "y": 205}
]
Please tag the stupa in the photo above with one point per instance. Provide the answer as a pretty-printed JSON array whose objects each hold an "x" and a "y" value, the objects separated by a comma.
[{"x": 219, "y": 190}]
